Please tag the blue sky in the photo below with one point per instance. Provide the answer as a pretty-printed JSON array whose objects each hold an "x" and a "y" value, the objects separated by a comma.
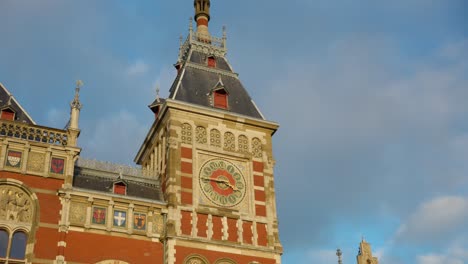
[{"x": 371, "y": 98}]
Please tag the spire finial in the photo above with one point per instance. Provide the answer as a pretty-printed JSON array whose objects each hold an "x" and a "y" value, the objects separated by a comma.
[
  {"x": 190, "y": 24},
  {"x": 339, "y": 254},
  {"x": 76, "y": 100},
  {"x": 157, "y": 92},
  {"x": 224, "y": 36},
  {"x": 120, "y": 173}
]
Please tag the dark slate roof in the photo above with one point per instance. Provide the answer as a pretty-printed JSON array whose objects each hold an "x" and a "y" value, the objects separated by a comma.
[
  {"x": 8, "y": 101},
  {"x": 200, "y": 58},
  {"x": 197, "y": 83},
  {"x": 103, "y": 181}
]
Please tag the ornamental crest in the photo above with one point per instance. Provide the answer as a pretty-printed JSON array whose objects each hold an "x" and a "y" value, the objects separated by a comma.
[
  {"x": 120, "y": 218},
  {"x": 15, "y": 205},
  {"x": 57, "y": 165},
  {"x": 139, "y": 221},
  {"x": 99, "y": 215},
  {"x": 14, "y": 158}
]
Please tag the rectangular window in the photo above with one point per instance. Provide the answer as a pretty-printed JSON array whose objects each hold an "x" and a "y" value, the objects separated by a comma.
[
  {"x": 211, "y": 62},
  {"x": 119, "y": 188},
  {"x": 220, "y": 99},
  {"x": 8, "y": 115}
]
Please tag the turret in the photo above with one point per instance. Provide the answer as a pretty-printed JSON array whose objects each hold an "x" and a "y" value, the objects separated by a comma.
[
  {"x": 202, "y": 17},
  {"x": 365, "y": 254}
]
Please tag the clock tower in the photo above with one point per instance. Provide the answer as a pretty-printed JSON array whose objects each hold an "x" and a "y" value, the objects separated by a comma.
[{"x": 211, "y": 149}]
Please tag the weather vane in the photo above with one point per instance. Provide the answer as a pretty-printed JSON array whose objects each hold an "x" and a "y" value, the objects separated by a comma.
[
  {"x": 79, "y": 84},
  {"x": 157, "y": 92}
]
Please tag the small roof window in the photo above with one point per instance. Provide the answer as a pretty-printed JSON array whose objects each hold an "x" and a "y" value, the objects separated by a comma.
[
  {"x": 220, "y": 98},
  {"x": 120, "y": 188},
  {"x": 211, "y": 62},
  {"x": 7, "y": 114}
]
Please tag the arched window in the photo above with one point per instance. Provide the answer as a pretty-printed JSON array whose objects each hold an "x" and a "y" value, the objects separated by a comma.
[
  {"x": 186, "y": 133},
  {"x": 229, "y": 141},
  {"x": 18, "y": 245},
  {"x": 200, "y": 134},
  {"x": 256, "y": 148},
  {"x": 14, "y": 247},
  {"x": 19, "y": 208},
  {"x": 225, "y": 261},
  {"x": 215, "y": 138},
  {"x": 3, "y": 243}
]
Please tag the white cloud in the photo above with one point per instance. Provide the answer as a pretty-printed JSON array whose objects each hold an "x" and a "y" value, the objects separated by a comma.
[
  {"x": 454, "y": 252},
  {"x": 437, "y": 259},
  {"x": 435, "y": 219},
  {"x": 138, "y": 68}
]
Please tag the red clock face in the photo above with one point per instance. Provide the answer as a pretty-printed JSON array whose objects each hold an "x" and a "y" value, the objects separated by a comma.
[{"x": 222, "y": 182}]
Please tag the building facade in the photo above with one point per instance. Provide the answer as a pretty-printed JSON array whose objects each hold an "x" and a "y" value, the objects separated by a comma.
[{"x": 203, "y": 192}]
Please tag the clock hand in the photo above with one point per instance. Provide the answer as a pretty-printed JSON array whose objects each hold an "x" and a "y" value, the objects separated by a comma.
[{"x": 234, "y": 188}]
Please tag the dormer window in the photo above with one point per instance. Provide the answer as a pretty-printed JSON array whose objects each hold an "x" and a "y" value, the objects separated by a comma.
[
  {"x": 211, "y": 62},
  {"x": 220, "y": 98},
  {"x": 7, "y": 114},
  {"x": 120, "y": 188}
]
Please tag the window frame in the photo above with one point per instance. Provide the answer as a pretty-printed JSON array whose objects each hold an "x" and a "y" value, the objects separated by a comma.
[
  {"x": 223, "y": 95},
  {"x": 122, "y": 185},
  {"x": 11, "y": 234},
  {"x": 211, "y": 62},
  {"x": 11, "y": 114}
]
